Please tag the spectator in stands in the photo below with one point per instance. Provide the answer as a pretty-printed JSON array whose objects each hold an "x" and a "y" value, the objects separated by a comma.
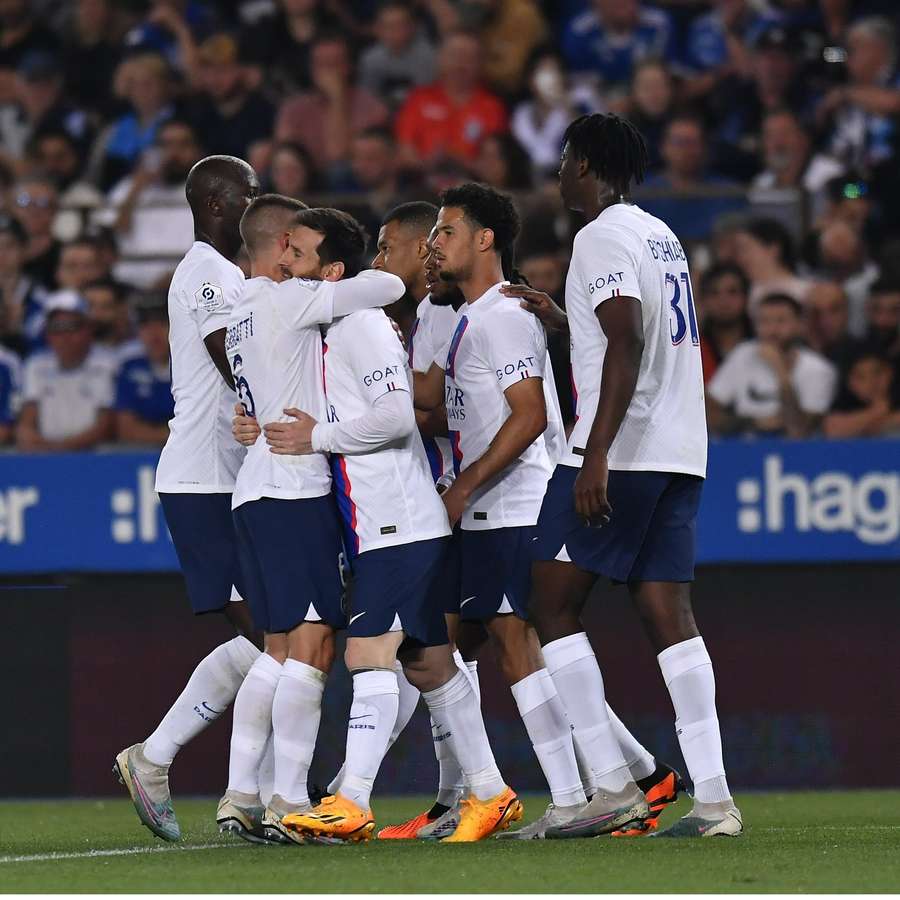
[
  {"x": 773, "y": 385},
  {"x": 724, "y": 322},
  {"x": 503, "y": 163},
  {"x": 325, "y": 119},
  {"x": 553, "y": 101},
  {"x": 740, "y": 102},
  {"x": 649, "y": 105},
  {"x": 91, "y": 53},
  {"x": 227, "y": 112},
  {"x": 144, "y": 82},
  {"x": 21, "y": 298},
  {"x": 35, "y": 204},
  {"x": 279, "y": 47},
  {"x": 40, "y": 104},
  {"x": 842, "y": 257},
  {"x": 612, "y": 36},
  {"x": 67, "y": 392},
  {"x": 827, "y": 324},
  {"x": 686, "y": 173},
  {"x": 765, "y": 253},
  {"x": 148, "y": 210},
  {"x": 401, "y": 58},
  {"x": 10, "y": 391},
  {"x": 724, "y": 238},
  {"x": 144, "y": 401},
  {"x": 869, "y": 406},
  {"x": 452, "y": 116},
  {"x": 172, "y": 29},
  {"x": 864, "y": 110},
  {"x": 373, "y": 162},
  {"x": 80, "y": 263},
  {"x": 20, "y": 34},
  {"x": 110, "y": 318},
  {"x": 790, "y": 163},
  {"x": 56, "y": 155},
  {"x": 883, "y": 334},
  {"x": 291, "y": 171}
]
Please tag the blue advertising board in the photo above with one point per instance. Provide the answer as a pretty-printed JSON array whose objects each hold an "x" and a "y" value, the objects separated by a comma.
[{"x": 764, "y": 502}]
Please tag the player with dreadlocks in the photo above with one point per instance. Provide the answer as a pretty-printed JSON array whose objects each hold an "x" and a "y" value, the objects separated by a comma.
[{"x": 623, "y": 501}]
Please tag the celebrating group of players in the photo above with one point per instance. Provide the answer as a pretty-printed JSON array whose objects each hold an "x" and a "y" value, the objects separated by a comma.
[{"x": 424, "y": 498}]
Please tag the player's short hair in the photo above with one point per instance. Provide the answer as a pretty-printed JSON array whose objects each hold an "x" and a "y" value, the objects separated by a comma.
[
  {"x": 720, "y": 270},
  {"x": 772, "y": 233},
  {"x": 264, "y": 217},
  {"x": 786, "y": 300},
  {"x": 613, "y": 148},
  {"x": 343, "y": 238},
  {"x": 487, "y": 208},
  {"x": 418, "y": 216}
]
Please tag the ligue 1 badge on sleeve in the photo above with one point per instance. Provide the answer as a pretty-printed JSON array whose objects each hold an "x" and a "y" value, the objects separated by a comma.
[{"x": 209, "y": 298}]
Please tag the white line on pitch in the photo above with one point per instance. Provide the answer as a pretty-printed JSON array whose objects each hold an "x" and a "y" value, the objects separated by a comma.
[{"x": 93, "y": 854}]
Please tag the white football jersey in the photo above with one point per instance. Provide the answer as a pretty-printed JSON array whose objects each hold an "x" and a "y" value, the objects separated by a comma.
[
  {"x": 626, "y": 252},
  {"x": 200, "y": 456},
  {"x": 495, "y": 344},
  {"x": 386, "y": 497},
  {"x": 431, "y": 332},
  {"x": 275, "y": 349}
]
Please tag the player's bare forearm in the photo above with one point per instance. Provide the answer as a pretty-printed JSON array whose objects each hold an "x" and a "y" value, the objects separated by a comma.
[
  {"x": 428, "y": 388},
  {"x": 215, "y": 346},
  {"x": 621, "y": 322},
  {"x": 432, "y": 423}
]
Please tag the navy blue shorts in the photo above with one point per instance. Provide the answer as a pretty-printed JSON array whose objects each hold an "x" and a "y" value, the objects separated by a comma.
[
  {"x": 393, "y": 589},
  {"x": 290, "y": 555},
  {"x": 651, "y": 535},
  {"x": 203, "y": 533},
  {"x": 449, "y": 583},
  {"x": 496, "y": 572}
]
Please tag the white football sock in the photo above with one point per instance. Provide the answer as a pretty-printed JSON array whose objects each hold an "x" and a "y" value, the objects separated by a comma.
[
  {"x": 551, "y": 736},
  {"x": 295, "y": 721},
  {"x": 688, "y": 674},
  {"x": 640, "y": 761},
  {"x": 407, "y": 702},
  {"x": 210, "y": 690},
  {"x": 451, "y": 781},
  {"x": 455, "y": 708},
  {"x": 252, "y": 724},
  {"x": 588, "y": 782},
  {"x": 372, "y": 718},
  {"x": 472, "y": 669},
  {"x": 267, "y": 770},
  {"x": 573, "y": 667}
]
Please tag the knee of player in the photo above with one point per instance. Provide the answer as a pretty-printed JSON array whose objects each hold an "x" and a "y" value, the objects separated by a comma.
[{"x": 276, "y": 645}]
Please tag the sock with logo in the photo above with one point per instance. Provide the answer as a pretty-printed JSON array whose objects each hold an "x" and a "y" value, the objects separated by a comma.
[
  {"x": 451, "y": 781},
  {"x": 295, "y": 721},
  {"x": 372, "y": 717},
  {"x": 408, "y": 700},
  {"x": 551, "y": 736},
  {"x": 574, "y": 670},
  {"x": 455, "y": 708},
  {"x": 688, "y": 673},
  {"x": 210, "y": 690},
  {"x": 640, "y": 761},
  {"x": 252, "y": 724}
]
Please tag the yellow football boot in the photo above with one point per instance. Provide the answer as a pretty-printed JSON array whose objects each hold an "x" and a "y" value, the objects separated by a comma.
[
  {"x": 335, "y": 817},
  {"x": 481, "y": 818}
]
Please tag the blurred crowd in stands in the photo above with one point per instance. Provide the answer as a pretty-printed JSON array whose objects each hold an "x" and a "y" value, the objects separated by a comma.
[{"x": 773, "y": 128}]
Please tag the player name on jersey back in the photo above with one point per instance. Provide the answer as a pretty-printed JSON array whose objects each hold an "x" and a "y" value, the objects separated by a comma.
[
  {"x": 495, "y": 345},
  {"x": 626, "y": 252},
  {"x": 274, "y": 346},
  {"x": 200, "y": 455},
  {"x": 386, "y": 497}
]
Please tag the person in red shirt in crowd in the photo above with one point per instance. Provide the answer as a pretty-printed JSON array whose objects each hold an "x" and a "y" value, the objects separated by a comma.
[{"x": 453, "y": 115}]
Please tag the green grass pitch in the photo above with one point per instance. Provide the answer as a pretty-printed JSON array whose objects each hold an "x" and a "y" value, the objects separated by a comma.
[{"x": 793, "y": 842}]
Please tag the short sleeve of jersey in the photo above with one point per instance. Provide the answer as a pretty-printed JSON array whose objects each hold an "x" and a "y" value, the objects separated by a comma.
[
  {"x": 379, "y": 361},
  {"x": 303, "y": 302},
  {"x": 607, "y": 263},
  {"x": 213, "y": 300},
  {"x": 517, "y": 350}
]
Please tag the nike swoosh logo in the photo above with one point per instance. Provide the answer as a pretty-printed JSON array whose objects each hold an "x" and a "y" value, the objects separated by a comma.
[
  {"x": 208, "y": 708},
  {"x": 354, "y": 618},
  {"x": 364, "y": 716},
  {"x": 461, "y": 605}
]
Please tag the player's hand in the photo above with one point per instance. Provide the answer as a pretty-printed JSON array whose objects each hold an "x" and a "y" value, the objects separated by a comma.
[
  {"x": 244, "y": 428},
  {"x": 456, "y": 499},
  {"x": 291, "y": 438},
  {"x": 591, "y": 503},
  {"x": 539, "y": 304}
]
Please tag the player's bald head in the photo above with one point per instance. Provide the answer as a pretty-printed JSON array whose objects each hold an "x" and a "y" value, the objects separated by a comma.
[
  {"x": 219, "y": 178},
  {"x": 267, "y": 219}
]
